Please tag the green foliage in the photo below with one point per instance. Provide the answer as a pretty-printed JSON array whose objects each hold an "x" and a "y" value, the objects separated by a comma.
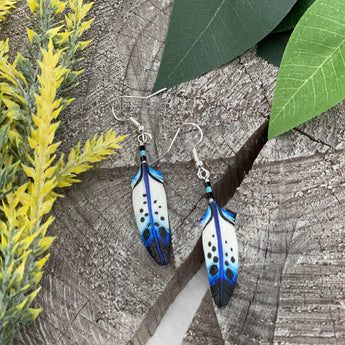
[
  {"x": 290, "y": 21},
  {"x": 311, "y": 78},
  {"x": 5, "y": 7},
  {"x": 32, "y": 93},
  {"x": 205, "y": 34},
  {"x": 272, "y": 47}
]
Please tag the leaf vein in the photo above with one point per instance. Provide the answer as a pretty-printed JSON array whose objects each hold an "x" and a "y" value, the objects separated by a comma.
[
  {"x": 197, "y": 39},
  {"x": 276, "y": 117}
]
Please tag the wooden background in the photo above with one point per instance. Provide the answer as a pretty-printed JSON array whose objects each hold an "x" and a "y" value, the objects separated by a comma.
[{"x": 102, "y": 288}]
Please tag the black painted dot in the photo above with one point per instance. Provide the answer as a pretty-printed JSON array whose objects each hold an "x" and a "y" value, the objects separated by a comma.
[
  {"x": 231, "y": 249},
  {"x": 146, "y": 214},
  {"x": 229, "y": 273},
  {"x": 226, "y": 263},
  {"x": 146, "y": 234},
  {"x": 209, "y": 244},
  {"x": 160, "y": 206},
  {"x": 141, "y": 210},
  {"x": 142, "y": 219},
  {"x": 213, "y": 270},
  {"x": 232, "y": 259},
  {"x": 226, "y": 254},
  {"x": 145, "y": 202},
  {"x": 156, "y": 212},
  {"x": 212, "y": 235},
  {"x": 162, "y": 232},
  {"x": 144, "y": 195},
  {"x": 156, "y": 224},
  {"x": 155, "y": 202},
  {"x": 209, "y": 255},
  {"x": 215, "y": 259},
  {"x": 162, "y": 218},
  {"x": 226, "y": 241},
  {"x": 214, "y": 248}
]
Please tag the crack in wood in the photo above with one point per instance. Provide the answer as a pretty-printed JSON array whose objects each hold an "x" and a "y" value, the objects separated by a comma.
[
  {"x": 224, "y": 189},
  {"x": 319, "y": 141}
]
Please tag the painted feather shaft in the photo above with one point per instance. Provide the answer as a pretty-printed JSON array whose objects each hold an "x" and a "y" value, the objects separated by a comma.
[
  {"x": 150, "y": 209},
  {"x": 221, "y": 252}
]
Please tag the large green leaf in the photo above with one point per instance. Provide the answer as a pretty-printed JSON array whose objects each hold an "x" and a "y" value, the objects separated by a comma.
[
  {"x": 272, "y": 47},
  {"x": 311, "y": 77},
  {"x": 290, "y": 21},
  {"x": 205, "y": 34}
]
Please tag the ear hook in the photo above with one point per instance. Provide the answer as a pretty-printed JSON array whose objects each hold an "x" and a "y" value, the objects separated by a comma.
[
  {"x": 143, "y": 137},
  {"x": 203, "y": 173},
  {"x": 136, "y": 123}
]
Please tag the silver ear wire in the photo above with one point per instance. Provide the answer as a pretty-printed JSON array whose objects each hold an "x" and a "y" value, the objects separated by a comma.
[
  {"x": 203, "y": 173},
  {"x": 143, "y": 137}
]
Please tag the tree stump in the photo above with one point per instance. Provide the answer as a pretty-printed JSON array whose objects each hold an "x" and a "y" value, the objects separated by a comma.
[{"x": 102, "y": 287}]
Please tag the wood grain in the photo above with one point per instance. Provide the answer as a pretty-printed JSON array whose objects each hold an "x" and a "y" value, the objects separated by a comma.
[
  {"x": 290, "y": 230},
  {"x": 102, "y": 287}
]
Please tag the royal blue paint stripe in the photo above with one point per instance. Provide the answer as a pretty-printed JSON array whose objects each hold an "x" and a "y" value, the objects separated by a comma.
[
  {"x": 148, "y": 195},
  {"x": 214, "y": 208}
]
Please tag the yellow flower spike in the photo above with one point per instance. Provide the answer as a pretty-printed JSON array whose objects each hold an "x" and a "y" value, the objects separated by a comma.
[
  {"x": 3, "y": 241},
  {"x": 3, "y": 228},
  {"x": 22, "y": 305},
  {"x": 36, "y": 277},
  {"x": 69, "y": 23},
  {"x": 54, "y": 31},
  {"x": 63, "y": 37},
  {"x": 48, "y": 187},
  {"x": 58, "y": 6},
  {"x": 34, "y": 313},
  {"x": 41, "y": 263},
  {"x": 31, "y": 34},
  {"x": 47, "y": 206},
  {"x": 10, "y": 104},
  {"x": 85, "y": 26},
  {"x": 33, "y": 5},
  {"x": 72, "y": 4},
  {"x": 30, "y": 172},
  {"x": 5, "y": 7},
  {"x": 44, "y": 244},
  {"x": 34, "y": 294},
  {"x": 83, "y": 44},
  {"x": 19, "y": 272},
  {"x": 26, "y": 287},
  {"x": 85, "y": 9},
  {"x": 9, "y": 270},
  {"x": 15, "y": 250},
  {"x": 44, "y": 227},
  {"x": 18, "y": 235},
  {"x": 26, "y": 242}
]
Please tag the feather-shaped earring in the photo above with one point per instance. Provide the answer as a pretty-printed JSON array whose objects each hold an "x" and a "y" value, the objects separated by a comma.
[
  {"x": 218, "y": 237},
  {"x": 149, "y": 199}
]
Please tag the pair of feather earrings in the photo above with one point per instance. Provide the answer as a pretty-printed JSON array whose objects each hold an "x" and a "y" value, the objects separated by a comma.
[{"x": 151, "y": 213}]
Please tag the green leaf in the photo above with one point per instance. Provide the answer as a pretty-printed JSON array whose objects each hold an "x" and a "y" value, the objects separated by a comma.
[
  {"x": 272, "y": 47},
  {"x": 290, "y": 21},
  {"x": 311, "y": 78},
  {"x": 206, "y": 34}
]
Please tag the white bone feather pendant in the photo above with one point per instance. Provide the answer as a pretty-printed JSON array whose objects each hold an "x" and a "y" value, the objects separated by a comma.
[
  {"x": 151, "y": 212},
  {"x": 221, "y": 252}
]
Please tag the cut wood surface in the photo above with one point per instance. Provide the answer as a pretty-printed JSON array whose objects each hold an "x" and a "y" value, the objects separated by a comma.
[
  {"x": 102, "y": 287},
  {"x": 290, "y": 228}
]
